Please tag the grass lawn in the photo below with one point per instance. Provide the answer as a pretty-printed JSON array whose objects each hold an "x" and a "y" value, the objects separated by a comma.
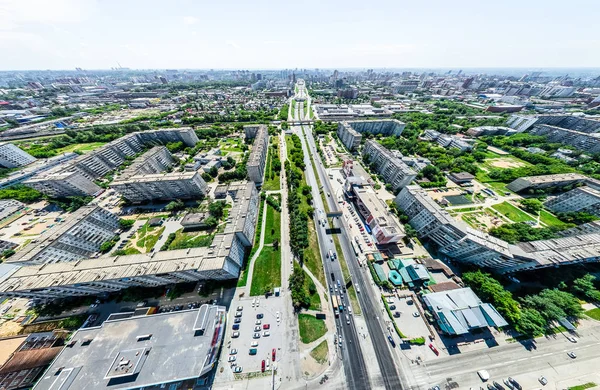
[
  {"x": 243, "y": 279},
  {"x": 354, "y": 299},
  {"x": 498, "y": 187},
  {"x": 267, "y": 271},
  {"x": 273, "y": 225},
  {"x": 594, "y": 313},
  {"x": 311, "y": 329},
  {"x": 190, "y": 240},
  {"x": 588, "y": 385},
  {"x": 231, "y": 145},
  {"x": 315, "y": 299},
  {"x": 150, "y": 239},
  {"x": 550, "y": 220},
  {"x": 126, "y": 251},
  {"x": 512, "y": 212},
  {"x": 320, "y": 352},
  {"x": 312, "y": 257},
  {"x": 273, "y": 184},
  {"x": 83, "y": 148},
  {"x": 341, "y": 259}
]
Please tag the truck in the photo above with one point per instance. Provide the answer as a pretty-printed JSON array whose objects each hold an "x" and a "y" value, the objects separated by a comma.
[
  {"x": 334, "y": 301},
  {"x": 340, "y": 304}
]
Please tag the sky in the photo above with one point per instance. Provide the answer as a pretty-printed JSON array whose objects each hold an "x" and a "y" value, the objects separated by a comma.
[{"x": 258, "y": 34}]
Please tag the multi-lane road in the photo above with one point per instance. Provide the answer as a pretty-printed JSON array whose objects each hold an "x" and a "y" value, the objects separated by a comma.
[{"x": 349, "y": 350}]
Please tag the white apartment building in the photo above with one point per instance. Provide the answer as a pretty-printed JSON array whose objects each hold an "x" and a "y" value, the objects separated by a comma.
[
  {"x": 60, "y": 184},
  {"x": 258, "y": 155},
  {"x": 393, "y": 169},
  {"x": 578, "y": 199},
  {"x": 221, "y": 260},
  {"x": 350, "y": 132},
  {"x": 161, "y": 186},
  {"x": 13, "y": 157},
  {"x": 76, "y": 238}
]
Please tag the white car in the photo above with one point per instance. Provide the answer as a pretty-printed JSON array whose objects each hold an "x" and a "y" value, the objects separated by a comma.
[
  {"x": 572, "y": 339},
  {"x": 231, "y": 359},
  {"x": 266, "y": 333},
  {"x": 416, "y": 314},
  {"x": 258, "y": 322},
  {"x": 233, "y": 352},
  {"x": 235, "y": 335},
  {"x": 254, "y": 344},
  {"x": 278, "y": 317},
  {"x": 543, "y": 380}
]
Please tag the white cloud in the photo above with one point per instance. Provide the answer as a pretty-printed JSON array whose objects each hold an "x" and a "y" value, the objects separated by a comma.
[
  {"x": 14, "y": 13},
  {"x": 189, "y": 20},
  {"x": 232, "y": 44}
]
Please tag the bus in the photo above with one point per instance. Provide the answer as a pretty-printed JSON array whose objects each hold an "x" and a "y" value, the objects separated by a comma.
[
  {"x": 354, "y": 248},
  {"x": 334, "y": 300}
]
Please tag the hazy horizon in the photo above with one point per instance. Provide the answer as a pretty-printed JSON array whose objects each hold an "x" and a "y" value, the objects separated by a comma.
[{"x": 267, "y": 35}]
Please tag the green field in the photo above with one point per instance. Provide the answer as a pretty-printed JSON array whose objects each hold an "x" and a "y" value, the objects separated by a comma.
[
  {"x": 594, "y": 313},
  {"x": 82, "y": 148},
  {"x": 312, "y": 256},
  {"x": 550, "y": 220},
  {"x": 267, "y": 271},
  {"x": 585, "y": 386},
  {"x": 273, "y": 225},
  {"x": 150, "y": 238},
  {"x": 190, "y": 240},
  {"x": 272, "y": 179},
  {"x": 320, "y": 352},
  {"x": 311, "y": 328},
  {"x": 498, "y": 187},
  {"x": 511, "y": 212},
  {"x": 231, "y": 145}
]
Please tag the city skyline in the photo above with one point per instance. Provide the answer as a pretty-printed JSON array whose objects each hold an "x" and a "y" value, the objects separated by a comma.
[{"x": 67, "y": 34}]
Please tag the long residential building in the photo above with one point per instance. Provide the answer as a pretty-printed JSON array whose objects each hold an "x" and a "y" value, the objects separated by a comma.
[
  {"x": 350, "y": 132},
  {"x": 258, "y": 154},
  {"x": 39, "y": 166},
  {"x": 375, "y": 212},
  {"x": 12, "y": 156},
  {"x": 584, "y": 199},
  {"x": 77, "y": 237},
  {"x": 543, "y": 182},
  {"x": 394, "y": 171},
  {"x": 161, "y": 351},
  {"x": 457, "y": 240},
  {"x": 161, "y": 186},
  {"x": 221, "y": 260},
  {"x": 103, "y": 160}
]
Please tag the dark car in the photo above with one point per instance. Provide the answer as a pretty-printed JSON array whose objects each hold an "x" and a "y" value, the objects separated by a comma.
[
  {"x": 237, "y": 320},
  {"x": 236, "y": 326},
  {"x": 490, "y": 387},
  {"x": 393, "y": 307},
  {"x": 259, "y": 316},
  {"x": 515, "y": 383},
  {"x": 392, "y": 341},
  {"x": 498, "y": 386}
]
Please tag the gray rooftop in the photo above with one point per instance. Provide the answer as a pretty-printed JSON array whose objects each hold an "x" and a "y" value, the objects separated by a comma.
[{"x": 139, "y": 351}]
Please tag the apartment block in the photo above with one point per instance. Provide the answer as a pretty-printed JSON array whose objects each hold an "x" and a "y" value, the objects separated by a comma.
[
  {"x": 221, "y": 260},
  {"x": 103, "y": 160},
  {"x": 580, "y": 140},
  {"x": 258, "y": 155},
  {"x": 584, "y": 199},
  {"x": 376, "y": 214},
  {"x": 9, "y": 207},
  {"x": 350, "y": 132},
  {"x": 12, "y": 156},
  {"x": 161, "y": 186},
  {"x": 394, "y": 171},
  {"x": 60, "y": 184},
  {"x": 156, "y": 160},
  {"x": 35, "y": 168},
  {"x": 457, "y": 240},
  {"x": 551, "y": 181},
  {"x": 76, "y": 238}
]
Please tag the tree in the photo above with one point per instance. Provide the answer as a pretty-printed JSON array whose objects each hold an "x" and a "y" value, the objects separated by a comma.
[
  {"x": 8, "y": 253},
  {"x": 584, "y": 287},
  {"x": 107, "y": 246},
  {"x": 532, "y": 205},
  {"x": 213, "y": 172},
  {"x": 175, "y": 205},
  {"x": 216, "y": 209},
  {"x": 554, "y": 304},
  {"x": 126, "y": 223},
  {"x": 211, "y": 221},
  {"x": 531, "y": 323},
  {"x": 489, "y": 289}
]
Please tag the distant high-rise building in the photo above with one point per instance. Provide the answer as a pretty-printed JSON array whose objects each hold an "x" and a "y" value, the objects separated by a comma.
[{"x": 12, "y": 157}]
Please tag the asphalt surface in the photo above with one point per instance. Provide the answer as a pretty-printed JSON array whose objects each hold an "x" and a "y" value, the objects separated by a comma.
[
  {"x": 355, "y": 368},
  {"x": 369, "y": 303}
]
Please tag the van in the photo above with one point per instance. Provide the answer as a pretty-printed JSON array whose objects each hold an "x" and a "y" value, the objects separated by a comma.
[
  {"x": 347, "y": 319},
  {"x": 483, "y": 374},
  {"x": 253, "y": 351},
  {"x": 330, "y": 255}
]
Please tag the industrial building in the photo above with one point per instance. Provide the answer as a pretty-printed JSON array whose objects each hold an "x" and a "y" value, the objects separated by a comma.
[
  {"x": 161, "y": 351},
  {"x": 584, "y": 199},
  {"x": 258, "y": 154},
  {"x": 221, "y": 260},
  {"x": 394, "y": 171},
  {"x": 103, "y": 160},
  {"x": 447, "y": 141},
  {"x": 77, "y": 237},
  {"x": 161, "y": 186},
  {"x": 12, "y": 156},
  {"x": 349, "y": 132},
  {"x": 460, "y": 311}
]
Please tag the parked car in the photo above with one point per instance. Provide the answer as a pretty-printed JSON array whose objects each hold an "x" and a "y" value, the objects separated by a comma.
[
  {"x": 235, "y": 335},
  {"x": 572, "y": 339},
  {"x": 391, "y": 340},
  {"x": 572, "y": 355},
  {"x": 240, "y": 308},
  {"x": 273, "y": 354},
  {"x": 259, "y": 316},
  {"x": 498, "y": 386},
  {"x": 231, "y": 359},
  {"x": 543, "y": 380},
  {"x": 256, "y": 335},
  {"x": 237, "y": 369},
  {"x": 237, "y": 320},
  {"x": 515, "y": 383},
  {"x": 233, "y": 351},
  {"x": 257, "y": 328},
  {"x": 254, "y": 344},
  {"x": 266, "y": 333},
  {"x": 262, "y": 366},
  {"x": 434, "y": 349},
  {"x": 266, "y": 326},
  {"x": 236, "y": 327}
]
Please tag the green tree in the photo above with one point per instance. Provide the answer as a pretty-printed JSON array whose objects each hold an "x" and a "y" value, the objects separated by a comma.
[
  {"x": 216, "y": 209},
  {"x": 126, "y": 223},
  {"x": 211, "y": 221},
  {"x": 531, "y": 323},
  {"x": 106, "y": 246},
  {"x": 532, "y": 205},
  {"x": 584, "y": 287},
  {"x": 175, "y": 205},
  {"x": 489, "y": 289}
]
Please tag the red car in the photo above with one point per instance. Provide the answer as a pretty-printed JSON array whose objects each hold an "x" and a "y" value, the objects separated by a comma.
[
  {"x": 266, "y": 326},
  {"x": 262, "y": 367},
  {"x": 434, "y": 349},
  {"x": 273, "y": 354}
]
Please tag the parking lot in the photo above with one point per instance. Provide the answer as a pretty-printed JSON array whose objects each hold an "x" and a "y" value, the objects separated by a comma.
[
  {"x": 251, "y": 332},
  {"x": 408, "y": 317}
]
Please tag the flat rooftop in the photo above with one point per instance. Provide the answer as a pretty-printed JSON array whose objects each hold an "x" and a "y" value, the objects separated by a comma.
[
  {"x": 157, "y": 177},
  {"x": 139, "y": 351}
]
